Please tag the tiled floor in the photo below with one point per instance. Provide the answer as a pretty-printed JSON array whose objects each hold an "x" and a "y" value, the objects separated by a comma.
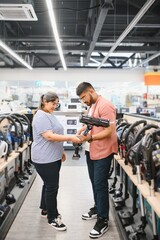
[{"x": 74, "y": 198}]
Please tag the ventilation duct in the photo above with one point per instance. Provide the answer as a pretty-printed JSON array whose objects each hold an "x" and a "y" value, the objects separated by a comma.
[{"x": 17, "y": 10}]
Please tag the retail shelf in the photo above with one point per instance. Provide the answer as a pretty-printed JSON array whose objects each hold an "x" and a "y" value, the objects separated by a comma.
[
  {"x": 154, "y": 201},
  {"x": 4, "y": 163},
  {"x": 21, "y": 149},
  {"x": 12, "y": 157},
  {"x": 128, "y": 170},
  {"x": 19, "y": 194}
]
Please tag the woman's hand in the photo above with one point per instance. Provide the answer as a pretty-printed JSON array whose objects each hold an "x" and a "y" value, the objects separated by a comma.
[
  {"x": 64, "y": 157},
  {"x": 76, "y": 139}
]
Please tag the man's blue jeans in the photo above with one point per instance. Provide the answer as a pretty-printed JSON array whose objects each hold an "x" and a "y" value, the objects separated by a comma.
[
  {"x": 98, "y": 173},
  {"x": 49, "y": 173}
]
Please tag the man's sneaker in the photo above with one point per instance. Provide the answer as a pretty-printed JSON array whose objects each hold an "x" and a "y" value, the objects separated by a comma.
[
  {"x": 44, "y": 214},
  {"x": 92, "y": 214},
  {"x": 100, "y": 228},
  {"x": 57, "y": 224}
]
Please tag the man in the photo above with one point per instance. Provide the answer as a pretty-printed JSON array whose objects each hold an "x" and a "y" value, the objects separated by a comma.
[{"x": 103, "y": 146}]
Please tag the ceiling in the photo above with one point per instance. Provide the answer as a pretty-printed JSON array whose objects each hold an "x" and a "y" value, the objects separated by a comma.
[{"x": 89, "y": 30}]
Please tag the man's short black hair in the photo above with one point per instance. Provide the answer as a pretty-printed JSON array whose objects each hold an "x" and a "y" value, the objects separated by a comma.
[{"x": 83, "y": 87}]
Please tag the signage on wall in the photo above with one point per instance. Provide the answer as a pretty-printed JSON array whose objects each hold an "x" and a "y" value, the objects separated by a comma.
[{"x": 152, "y": 78}]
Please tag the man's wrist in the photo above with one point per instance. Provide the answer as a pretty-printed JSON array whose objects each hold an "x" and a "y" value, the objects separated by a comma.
[{"x": 91, "y": 139}]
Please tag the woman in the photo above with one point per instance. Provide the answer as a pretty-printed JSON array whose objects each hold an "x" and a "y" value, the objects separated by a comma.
[{"x": 47, "y": 155}]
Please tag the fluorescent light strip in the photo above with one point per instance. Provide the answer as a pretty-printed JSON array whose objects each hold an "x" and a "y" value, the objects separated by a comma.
[
  {"x": 55, "y": 32},
  {"x": 14, "y": 55},
  {"x": 81, "y": 60}
]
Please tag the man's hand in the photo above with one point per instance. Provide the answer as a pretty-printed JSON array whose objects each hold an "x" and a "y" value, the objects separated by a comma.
[
  {"x": 80, "y": 130},
  {"x": 85, "y": 138}
]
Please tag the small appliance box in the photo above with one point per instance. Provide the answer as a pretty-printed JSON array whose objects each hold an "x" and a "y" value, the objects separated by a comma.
[
  {"x": 73, "y": 122},
  {"x": 73, "y": 107}
]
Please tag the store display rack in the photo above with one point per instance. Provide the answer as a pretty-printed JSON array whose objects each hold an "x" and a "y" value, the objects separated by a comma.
[
  {"x": 18, "y": 193},
  {"x": 151, "y": 197}
]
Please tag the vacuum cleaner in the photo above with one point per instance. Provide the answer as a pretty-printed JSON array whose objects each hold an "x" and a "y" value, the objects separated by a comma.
[
  {"x": 118, "y": 198},
  {"x": 120, "y": 124},
  {"x": 130, "y": 136},
  {"x": 26, "y": 126},
  {"x": 6, "y": 134},
  {"x": 149, "y": 164},
  {"x": 135, "y": 153},
  {"x": 20, "y": 130},
  {"x": 135, "y": 158},
  {"x": 126, "y": 217}
]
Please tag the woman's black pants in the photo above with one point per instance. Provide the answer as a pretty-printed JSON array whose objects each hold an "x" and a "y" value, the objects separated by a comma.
[{"x": 49, "y": 174}]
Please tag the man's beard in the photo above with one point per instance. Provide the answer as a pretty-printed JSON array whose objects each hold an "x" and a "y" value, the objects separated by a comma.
[{"x": 91, "y": 100}]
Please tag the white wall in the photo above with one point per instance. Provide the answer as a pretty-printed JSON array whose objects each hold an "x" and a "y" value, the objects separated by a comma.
[
  {"x": 77, "y": 75},
  {"x": 110, "y": 82},
  {"x": 109, "y": 78}
]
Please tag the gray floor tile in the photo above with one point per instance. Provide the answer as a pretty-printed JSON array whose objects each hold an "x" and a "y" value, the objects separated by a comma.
[{"x": 74, "y": 198}]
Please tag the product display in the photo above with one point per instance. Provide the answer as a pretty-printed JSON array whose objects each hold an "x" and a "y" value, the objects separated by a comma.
[
  {"x": 65, "y": 48},
  {"x": 15, "y": 159},
  {"x": 139, "y": 163}
]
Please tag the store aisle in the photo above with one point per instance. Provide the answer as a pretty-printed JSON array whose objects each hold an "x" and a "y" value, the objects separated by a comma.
[{"x": 75, "y": 197}]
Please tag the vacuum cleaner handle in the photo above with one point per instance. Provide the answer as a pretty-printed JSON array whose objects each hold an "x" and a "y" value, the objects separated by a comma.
[
  {"x": 16, "y": 119},
  {"x": 155, "y": 133},
  {"x": 91, "y": 121},
  {"x": 142, "y": 132},
  {"x": 147, "y": 142},
  {"x": 135, "y": 124},
  {"x": 98, "y": 122}
]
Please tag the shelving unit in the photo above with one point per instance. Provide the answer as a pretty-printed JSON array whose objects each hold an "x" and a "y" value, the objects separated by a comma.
[
  {"x": 153, "y": 201},
  {"x": 151, "y": 198},
  {"x": 19, "y": 193},
  {"x": 4, "y": 163},
  {"x": 143, "y": 187}
]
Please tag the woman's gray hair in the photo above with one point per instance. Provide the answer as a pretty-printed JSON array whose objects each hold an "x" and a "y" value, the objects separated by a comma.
[{"x": 48, "y": 97}]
